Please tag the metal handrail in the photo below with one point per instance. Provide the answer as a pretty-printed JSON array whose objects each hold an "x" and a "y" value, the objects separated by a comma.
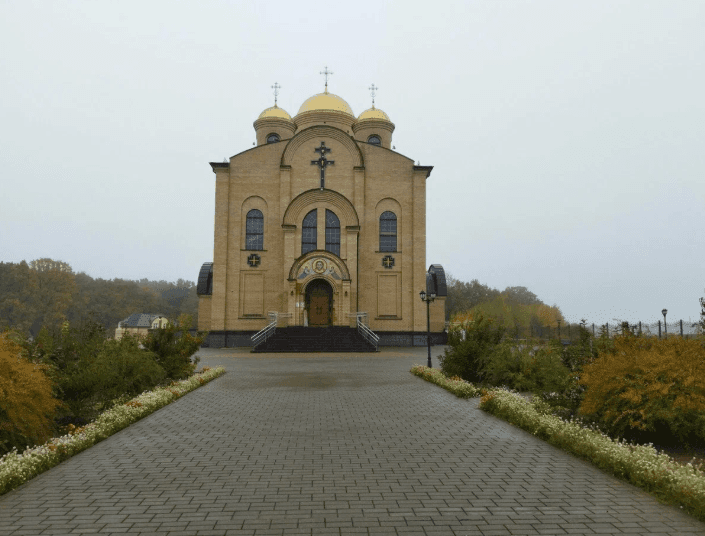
[
  {"x": 262, "y": 335},
  {"x": 369, "y": 335}
]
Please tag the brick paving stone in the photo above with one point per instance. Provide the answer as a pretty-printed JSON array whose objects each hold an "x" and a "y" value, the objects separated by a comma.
[{"x": 328, "y": 444}]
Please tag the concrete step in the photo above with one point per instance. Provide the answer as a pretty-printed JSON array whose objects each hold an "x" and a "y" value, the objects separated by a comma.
[{"x": 315, "y": 339}]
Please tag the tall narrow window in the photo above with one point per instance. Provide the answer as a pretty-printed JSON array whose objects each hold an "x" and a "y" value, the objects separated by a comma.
[
  {"x": 332, "y": 233},
  {"x": 388, "y": 231},
  {"x": 308, "y": 232},
  {"x": 254, "y": 230}
]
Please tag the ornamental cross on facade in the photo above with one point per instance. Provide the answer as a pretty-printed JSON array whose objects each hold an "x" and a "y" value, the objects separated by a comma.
[
  {"x": 322, "y": 162},
  {"x": 253, "y": 260}
]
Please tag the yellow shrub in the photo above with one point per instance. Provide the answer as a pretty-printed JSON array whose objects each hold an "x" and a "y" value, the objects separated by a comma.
[
  {"x": 650, "y": 385},
  {"x": 27, "y": 406}
]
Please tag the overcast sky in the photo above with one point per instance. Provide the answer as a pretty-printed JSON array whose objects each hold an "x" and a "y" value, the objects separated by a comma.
[{"x": 567, "y": 137}]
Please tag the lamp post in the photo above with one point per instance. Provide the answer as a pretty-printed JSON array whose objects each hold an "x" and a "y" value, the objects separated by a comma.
[
  {"x": 428, "y": 299},
  {"x": 664, "y": 323}
]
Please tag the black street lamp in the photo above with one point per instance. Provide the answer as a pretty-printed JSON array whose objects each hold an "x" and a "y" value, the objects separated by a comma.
[
  {"x": 428, "y": 299},
  {"x": 664, "y": 323}
]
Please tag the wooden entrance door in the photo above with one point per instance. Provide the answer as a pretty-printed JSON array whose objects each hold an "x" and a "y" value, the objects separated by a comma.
[{"x": 320, "y": 295}]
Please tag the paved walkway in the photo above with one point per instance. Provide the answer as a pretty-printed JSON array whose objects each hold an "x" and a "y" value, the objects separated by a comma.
[{"x": 328, "y": 444}]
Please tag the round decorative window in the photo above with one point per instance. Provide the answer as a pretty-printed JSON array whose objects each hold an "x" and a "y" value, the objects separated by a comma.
[
  {"x": 273, "y": 138},
  {"x": 374, "y": 140}
]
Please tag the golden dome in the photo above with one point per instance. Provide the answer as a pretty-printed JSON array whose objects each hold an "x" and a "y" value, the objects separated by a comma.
[
  {"x": 275, "y": 111},
  {"x": 373, "y": 113},
  {"x": 326, "y": 101}
]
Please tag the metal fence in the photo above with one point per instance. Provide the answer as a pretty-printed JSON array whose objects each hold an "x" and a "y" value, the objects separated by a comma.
[{"x": 571, "y": 332}]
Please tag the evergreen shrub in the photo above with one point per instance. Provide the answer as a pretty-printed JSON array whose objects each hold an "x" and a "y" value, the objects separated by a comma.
[
  {"x": 481, "y": 357},
  {"x": 467, "y": 357},
  {"x": 119, "y": 369},
  {"x": 174, "y": 347}
]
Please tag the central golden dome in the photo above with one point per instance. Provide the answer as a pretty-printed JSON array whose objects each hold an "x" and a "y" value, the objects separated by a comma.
[{"x": 326, "y": 101}]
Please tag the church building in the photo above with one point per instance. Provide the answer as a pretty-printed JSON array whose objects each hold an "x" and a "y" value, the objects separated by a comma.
[{"x": 322, "y": 223}]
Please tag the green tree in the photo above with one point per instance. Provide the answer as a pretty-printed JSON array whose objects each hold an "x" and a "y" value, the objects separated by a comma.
[
  {"x": 463, "y": 296},
  {"x": 174, "y": 347},
  {"x": 53, "y": 288},
  {"x": 470, "y": 348},
  {"x": 521, "y": 295},
  {"x": 18, "y": 310}
]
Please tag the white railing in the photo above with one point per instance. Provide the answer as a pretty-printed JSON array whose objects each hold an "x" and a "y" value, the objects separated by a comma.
[
  {"x": 262, "y": 335},
  {"x": 364, "y": 330}
]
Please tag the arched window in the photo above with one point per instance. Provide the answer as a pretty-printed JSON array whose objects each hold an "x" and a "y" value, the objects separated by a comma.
[
  {"x": 374, "y": 140},
  {"x": 254, "y": 230},
  {"x": 308, "y": 232},
  {"x": 273, "y": 138},
  {"x": 388, "y": 231},
  {"x": 332, "y": 233}
]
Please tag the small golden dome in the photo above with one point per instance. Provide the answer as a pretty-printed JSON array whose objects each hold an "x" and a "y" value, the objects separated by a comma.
[
  {"x": 373, "y": 113},
  {"x": 326, "y": 101},
  {"x": 275, "y": 111}
]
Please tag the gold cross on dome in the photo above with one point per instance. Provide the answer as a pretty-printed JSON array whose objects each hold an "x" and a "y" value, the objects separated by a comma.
[
  {"x": 276, "y": 87},
  {"x": 372, "y": 89},
  {"x": 326, "y": 73}
]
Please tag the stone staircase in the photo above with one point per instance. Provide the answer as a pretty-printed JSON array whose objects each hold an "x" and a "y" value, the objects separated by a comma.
[{"x": 308, "y": 339}]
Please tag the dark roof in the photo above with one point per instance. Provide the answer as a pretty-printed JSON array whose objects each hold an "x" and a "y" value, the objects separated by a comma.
[
  {"x": 139, "y": 320},
  {"x": 439, "y": 277},
  {"x": 427, "y": 169},
  {"x": 204, "y": 287},
  {"x": 215, "y": 165}
]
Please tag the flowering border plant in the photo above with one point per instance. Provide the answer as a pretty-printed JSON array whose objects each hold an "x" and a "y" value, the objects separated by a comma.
[
  {"x": 671, "y": 482},
  {"x": 455, "y": 384},
  {"x": 16, "y": 469}
]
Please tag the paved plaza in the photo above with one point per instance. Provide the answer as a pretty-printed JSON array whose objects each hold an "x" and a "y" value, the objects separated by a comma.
[{"x": 328, "y": 444}]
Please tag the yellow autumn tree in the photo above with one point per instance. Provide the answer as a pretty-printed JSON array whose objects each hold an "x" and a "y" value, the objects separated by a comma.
[
  {"x": 649, "y": 385},
  {"x": 510, "y": 314},
  {"x": 27, "y": 406}
]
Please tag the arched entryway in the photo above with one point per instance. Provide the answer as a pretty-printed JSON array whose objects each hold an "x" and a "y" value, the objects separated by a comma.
[{"x": 319, "y": 303}]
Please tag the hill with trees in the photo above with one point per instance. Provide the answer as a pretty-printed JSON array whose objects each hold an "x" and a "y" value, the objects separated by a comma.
[
  {"x": 514, "y": 307},
  {"x": 46, "y": 292}
]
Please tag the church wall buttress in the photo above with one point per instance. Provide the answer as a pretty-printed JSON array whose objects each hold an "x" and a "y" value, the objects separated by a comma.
[
  {"x": 284, "y": 187},
  {"x": 235, "y": 242},
  {"x": 220, "y": 250},
  {"x": 419, "y": 247}
]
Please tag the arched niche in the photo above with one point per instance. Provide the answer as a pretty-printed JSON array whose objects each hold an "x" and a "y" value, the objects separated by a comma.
[
  {"x": 345, "y": 209},
  {"x": 322, "y": 132}
]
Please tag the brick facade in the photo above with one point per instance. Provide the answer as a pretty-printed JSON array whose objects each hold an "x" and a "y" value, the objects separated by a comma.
[{"x": 279, "y": 180}]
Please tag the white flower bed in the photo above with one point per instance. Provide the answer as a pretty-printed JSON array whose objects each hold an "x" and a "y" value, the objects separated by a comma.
[
  {"x": 15, "y": 469},
  {"x": 458, "y": 387},
  {"x": 642, "y": 465}
]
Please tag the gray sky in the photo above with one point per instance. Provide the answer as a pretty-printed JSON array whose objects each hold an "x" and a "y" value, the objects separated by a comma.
[{"x": 567, "y": 137}]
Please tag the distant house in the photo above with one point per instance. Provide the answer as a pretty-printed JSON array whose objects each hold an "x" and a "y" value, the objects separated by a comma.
[{"x": 140, "y": 324}]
